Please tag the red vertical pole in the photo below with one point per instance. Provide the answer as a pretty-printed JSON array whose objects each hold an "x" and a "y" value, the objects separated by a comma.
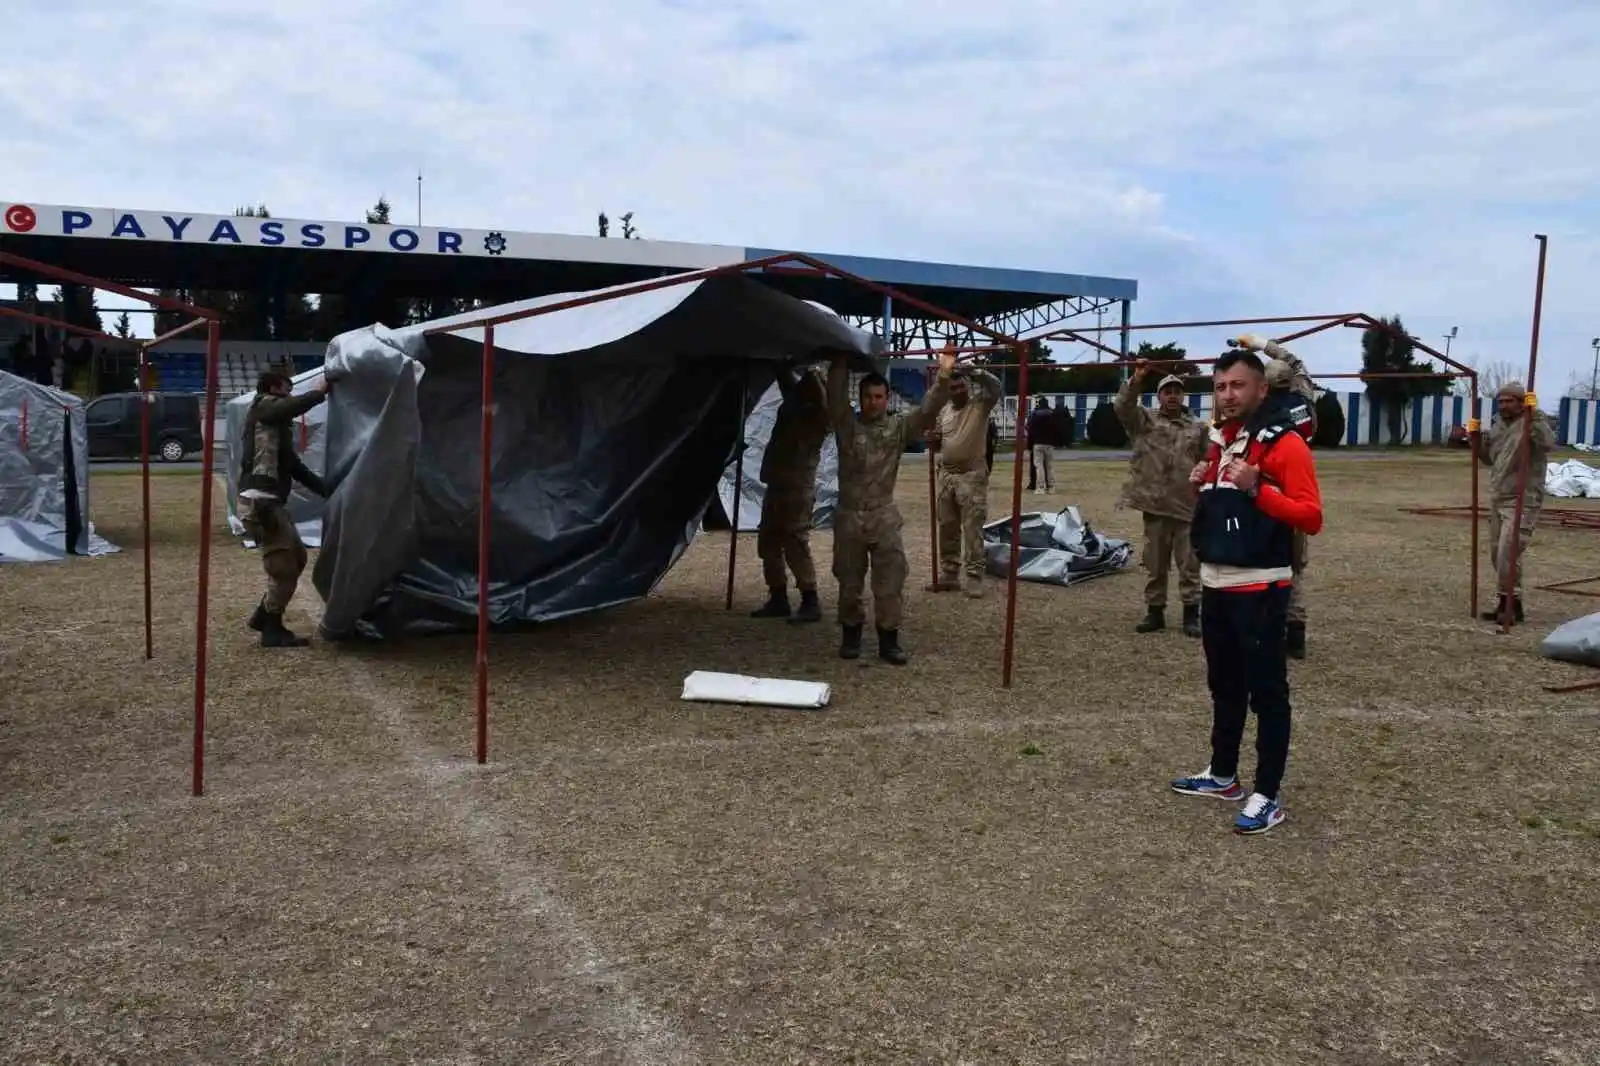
[
  {"x": 1513, "y": 568},
  {"x": 485, "y": 502},
  {"x": 1016, "y": 520},
  {"x": 1473, "y": 440},
  {"x": 933, "y": 502},
  {"x": 144, "y": 489},
  {"x": 203, "y": 592},
  {"x": 738, "y": 490}
]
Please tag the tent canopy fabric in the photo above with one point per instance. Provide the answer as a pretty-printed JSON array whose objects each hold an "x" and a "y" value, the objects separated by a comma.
[
  {"x": 44, "y": 475},
  {"x": 613, "y": 423}
]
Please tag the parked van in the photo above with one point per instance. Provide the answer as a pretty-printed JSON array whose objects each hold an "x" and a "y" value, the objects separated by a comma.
[{"x": 114, "y": 427}]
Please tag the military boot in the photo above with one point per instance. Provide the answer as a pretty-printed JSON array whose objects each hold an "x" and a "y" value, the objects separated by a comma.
[
  {"x": 850, "y": 642},
  {"x": 975, "y": 586},
  {"x": 1500, "y": 606},
  {"x": 1191, "y": 619},
  {"x": 1155, "y": 618},
  {"x": 777, "y": 605},
  {"x": 950, "y": 581},
  {"x": 275, "y": 635},
  {"x": 258, "y": 617},
  {"x": 1294, "y": 641},
  {"x": 810, "y": 608},
  {"x": 889, "y": 649}
]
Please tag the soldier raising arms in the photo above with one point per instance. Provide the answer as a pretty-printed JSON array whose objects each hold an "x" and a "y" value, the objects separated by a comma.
[
  {"x": 789, "y": 469},
  {"x": 1167, "y": 443},
  {"x": 866, "y": 527}
]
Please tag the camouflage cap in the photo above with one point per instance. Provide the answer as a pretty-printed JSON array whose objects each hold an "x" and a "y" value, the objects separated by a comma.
[
  {"x": 1514, "y": 389},
  {"x": 1170, "y": 379},
  {"x": 1279, "y": 373}
]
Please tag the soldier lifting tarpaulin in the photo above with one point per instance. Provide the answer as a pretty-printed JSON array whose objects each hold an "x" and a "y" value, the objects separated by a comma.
[
  {"x": 1167, "y": 443},
  {"x": 866, "y": 528},
  {"x": 789, "y": 471},
  {"x": 1513, "y": 403},
  {"x": 958, "y": 439},
  {"x": 1292, "y": 393},
  {"x": 269, "y": 467}
]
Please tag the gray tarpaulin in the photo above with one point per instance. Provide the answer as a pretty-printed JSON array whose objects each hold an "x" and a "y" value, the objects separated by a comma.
[
  {"x": 757, "y": 432},
  {"x": 1577, "y": 641},
  {"x": 44, "y": 475},
  {"x": 1056, "y": 549},
  {"x": 613, "y": 424},
  {"x": 305, "y": 506}
]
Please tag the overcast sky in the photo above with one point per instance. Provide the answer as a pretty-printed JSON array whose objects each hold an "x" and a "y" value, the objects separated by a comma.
[{"x": 1244, "y": 158}]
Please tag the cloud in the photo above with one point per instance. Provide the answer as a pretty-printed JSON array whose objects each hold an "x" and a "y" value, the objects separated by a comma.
[{"x": 1253, "y": 158}]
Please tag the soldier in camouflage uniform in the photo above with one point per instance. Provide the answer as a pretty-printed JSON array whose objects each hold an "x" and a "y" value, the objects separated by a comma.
[
  {"x": 866, "y": 526},
  {"x": 1288, "y": 381},
  {"x": 1499, "y": 453},
  {"x": 963, "y": 479},
  {"x": 789, "y": 470},
  {"x": 1167, "y": 442},
  {"x": 268, "y": 469}
]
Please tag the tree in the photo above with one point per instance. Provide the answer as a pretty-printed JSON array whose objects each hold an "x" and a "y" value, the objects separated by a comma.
[
  {"x": 1390, "y": 351},
  {"x": 1491, "y": 375},
  {"x": 605, "y": 225},
  {"x": 628, "y": 232},
  {"x": 75, "y": 304},
  {"x": 1330, "y": 422},
  {"x": 1105, "y": 428},
  {"x": 123, "y": 327}
]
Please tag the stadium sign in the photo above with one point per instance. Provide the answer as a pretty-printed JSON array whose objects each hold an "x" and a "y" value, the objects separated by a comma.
[{"x": 101, "y": 223}]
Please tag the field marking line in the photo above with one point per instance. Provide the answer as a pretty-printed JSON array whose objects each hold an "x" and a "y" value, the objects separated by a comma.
[{"x": 643, "y": 1037}]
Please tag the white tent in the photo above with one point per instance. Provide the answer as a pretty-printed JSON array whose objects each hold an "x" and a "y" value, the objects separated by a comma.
[{"x": 44, "y": 475}]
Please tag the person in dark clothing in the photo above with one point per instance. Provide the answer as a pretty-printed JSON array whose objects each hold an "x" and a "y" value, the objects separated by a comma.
[
  {"x": 1042, "y": 443},
  {"x": 991, "y": 442},
  {"x": 1257, "y": 487}
]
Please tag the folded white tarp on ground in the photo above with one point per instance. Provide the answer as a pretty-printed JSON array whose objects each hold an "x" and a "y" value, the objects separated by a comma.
[
  {"x": 1577, "y": 641},
  {"x": 1572, "y": 480},
  {"x": 704, "y": 686}
]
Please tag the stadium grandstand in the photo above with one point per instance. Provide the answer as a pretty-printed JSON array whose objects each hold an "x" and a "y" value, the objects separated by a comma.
[{"x": 358, "y": 273}]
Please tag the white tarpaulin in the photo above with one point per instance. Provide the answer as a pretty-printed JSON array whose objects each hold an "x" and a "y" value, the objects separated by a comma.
[
  {"x": 1577, "y": 641},
  {"x": 1572, "y": 480},
  {"x": 704, "y": 686}
]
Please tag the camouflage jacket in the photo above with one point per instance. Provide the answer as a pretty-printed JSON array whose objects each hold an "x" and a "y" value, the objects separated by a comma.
[
  {"x": 963, "y": 430},
  {"x": 1286, "y": 371},
  {"x": 795, "y": 448},
  {"x": 1499, "y": 449},
  {"x": 268, "y": 462},
  {"x": 870, "y": 451},
  {"x": 1165, "y": 449}
]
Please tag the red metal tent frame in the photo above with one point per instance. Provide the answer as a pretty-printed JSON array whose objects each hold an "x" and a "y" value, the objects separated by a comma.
[
  {"x": 212, "y": 320},
  {"x": 787, "y": 263},
  {"x": 1354, "y": 320}
]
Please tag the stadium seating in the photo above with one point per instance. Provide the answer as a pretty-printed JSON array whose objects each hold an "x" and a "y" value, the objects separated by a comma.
[{"x": 238, "y": 368}]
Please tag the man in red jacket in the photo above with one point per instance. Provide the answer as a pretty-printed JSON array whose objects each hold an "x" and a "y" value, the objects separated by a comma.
[{"x": 1257, "y": 487}]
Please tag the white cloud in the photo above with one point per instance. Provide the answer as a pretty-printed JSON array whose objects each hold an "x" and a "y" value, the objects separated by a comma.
[{"x": 1257, "y": 157}]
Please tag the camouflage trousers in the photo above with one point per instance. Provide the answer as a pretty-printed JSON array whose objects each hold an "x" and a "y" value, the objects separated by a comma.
[
  {"x": 1502, "y": 516},
  {"x": 1297, "y": 607},
  {"x": 283, "y": 554},
  {"x": 1166, "y": 544},
  {"x": 863, "y": 540},
  {"x": 963, "y": 509},
  {"x": 784, "y": 538}
]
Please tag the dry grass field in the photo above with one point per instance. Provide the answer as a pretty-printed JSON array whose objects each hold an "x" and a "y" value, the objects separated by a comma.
[{"x": 933, "y": 870}]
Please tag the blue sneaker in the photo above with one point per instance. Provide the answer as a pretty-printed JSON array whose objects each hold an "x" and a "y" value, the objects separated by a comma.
[
  {"x": 1258, "y": 815},
  {"x": 1205, "y": 784}
]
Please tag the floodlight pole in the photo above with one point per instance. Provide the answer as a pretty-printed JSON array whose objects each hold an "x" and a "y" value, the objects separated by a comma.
[
  {"x": 738, "y": 486},
  {"x": 203, "y": 592},
  {"x": 485, "y": 502},
  {"x": 1524, "y": 449}
]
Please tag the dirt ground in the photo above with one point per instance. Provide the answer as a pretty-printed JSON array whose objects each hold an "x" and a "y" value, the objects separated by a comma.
[{"x": 932, "y": 870}]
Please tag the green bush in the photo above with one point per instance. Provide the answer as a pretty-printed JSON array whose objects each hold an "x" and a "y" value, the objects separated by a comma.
[
  {"x": 1106, "y": 429},
  {"x": 1330, "y": 422}
]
